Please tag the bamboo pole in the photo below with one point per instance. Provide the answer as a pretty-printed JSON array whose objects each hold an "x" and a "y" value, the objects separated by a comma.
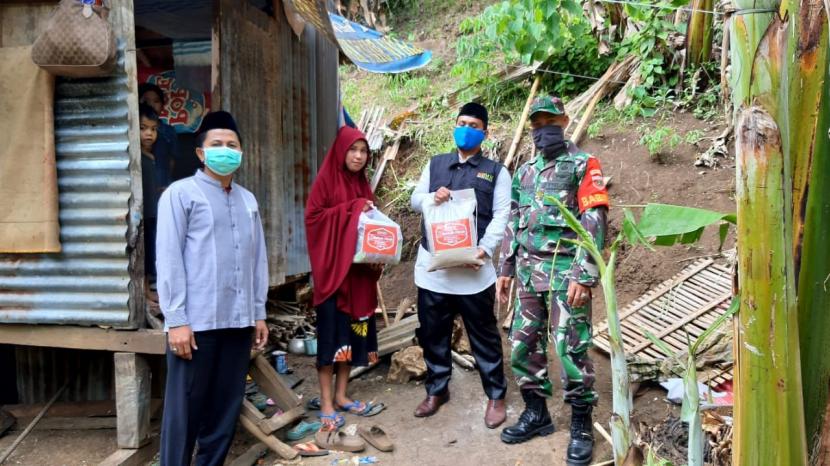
[
  {"x": 382, "y": 305},
  {"x": 32, "y": 424},
  {"x": 579, "y": 132},
  {"x": 517, "y": 135}
]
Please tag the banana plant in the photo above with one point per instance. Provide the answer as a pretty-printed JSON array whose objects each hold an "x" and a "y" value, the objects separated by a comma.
[
  {"x": 700, "y": 32},
  {"x": 780, "y": 80},
  {"x": 690, "y": 411},
  {"x": 660, "y": 224}
]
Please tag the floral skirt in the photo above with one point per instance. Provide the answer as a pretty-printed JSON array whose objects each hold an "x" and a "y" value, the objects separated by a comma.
[{"x": 341, "y": 339}]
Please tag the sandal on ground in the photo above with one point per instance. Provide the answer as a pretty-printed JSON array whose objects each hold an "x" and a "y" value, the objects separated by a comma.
[
  {"x": 337, "y": 440},
  {"x": 376, "y": 438},
  {"x": 303, "y": 429},
  {"x": 310, "y": 449},
  {"x": 362, "y": 409},
  {"x": 336, "y": 420},
  {"x": 313, "y": 404}
]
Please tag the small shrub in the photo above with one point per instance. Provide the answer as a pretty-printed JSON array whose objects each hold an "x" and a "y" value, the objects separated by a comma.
[
  {"x": 693, "y": 137},
  {"x": 659, "y": 139}
]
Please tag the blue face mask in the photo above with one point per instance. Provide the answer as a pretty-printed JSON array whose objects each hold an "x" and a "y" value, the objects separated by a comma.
[
  {"x": 467, "y": 138},
  {"x": 222, "y": 160}
]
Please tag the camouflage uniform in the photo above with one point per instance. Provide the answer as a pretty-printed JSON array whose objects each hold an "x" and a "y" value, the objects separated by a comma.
[{"x": 534, "y": 251}]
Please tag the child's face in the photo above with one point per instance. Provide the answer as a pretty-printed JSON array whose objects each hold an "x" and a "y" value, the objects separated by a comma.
[
  {"x": 153, "y": 100},
  {"x": 149, "y": 133}
]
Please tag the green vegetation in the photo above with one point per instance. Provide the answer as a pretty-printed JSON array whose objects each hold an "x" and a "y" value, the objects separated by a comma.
[
  {"x": 693, "y": 136},
  {"x": 658, "y": 140}
]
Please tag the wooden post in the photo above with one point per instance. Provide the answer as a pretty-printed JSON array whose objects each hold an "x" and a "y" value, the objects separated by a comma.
[
  {"x": 517, "y": 136},
  {"x": 132, "y": 399},
  {"x": 382, "y": 305}
]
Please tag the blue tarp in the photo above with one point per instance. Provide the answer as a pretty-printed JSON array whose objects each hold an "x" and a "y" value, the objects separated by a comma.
[{"x": 374, "y": 52}]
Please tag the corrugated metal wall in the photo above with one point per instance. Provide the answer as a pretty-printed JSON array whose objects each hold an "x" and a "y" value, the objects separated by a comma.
[
  {"x": 42, "y": 371},
  {"x": 283, "y": 91},
  {"x": 87, "y": 283},
  {"x": 317, "y": 84}
]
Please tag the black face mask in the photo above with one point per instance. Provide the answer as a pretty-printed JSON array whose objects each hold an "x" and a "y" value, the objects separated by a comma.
[{"x": 550, "y": 140}]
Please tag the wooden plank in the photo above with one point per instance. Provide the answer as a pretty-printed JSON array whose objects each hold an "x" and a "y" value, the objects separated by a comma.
[
  {"x": 64, "y": 409},
  {"x": 253, "y": 454},
  {"x": 130, "y": 457},
  {"x": 388, "y": 156},
  {"x": 122, "y": 18},
  {"x": 271, "y": 385},
  {"x": 73, "y": 423},
  {"x": 64, "y": 336},
  {"x": 278, "y": 447},
  {"x": 132, "y": 399},
  {"x": 75, "y": 409},
  {"x": 251, "y": 412},
  {"x": 278, "y": 421},
  {"x": 20, "y": 25}
]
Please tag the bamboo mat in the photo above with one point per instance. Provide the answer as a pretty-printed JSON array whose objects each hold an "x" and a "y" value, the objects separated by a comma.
[{"x": 677, "y": 312}]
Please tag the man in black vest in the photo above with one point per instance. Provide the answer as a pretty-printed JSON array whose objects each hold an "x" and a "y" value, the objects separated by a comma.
[{"x": 469, "y": 291}]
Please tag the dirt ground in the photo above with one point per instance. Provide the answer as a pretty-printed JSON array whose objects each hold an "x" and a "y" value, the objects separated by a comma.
[{"x": 457, "y": 435}]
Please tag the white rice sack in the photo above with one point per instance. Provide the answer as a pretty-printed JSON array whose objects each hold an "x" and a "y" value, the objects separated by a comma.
[
  {"x": 379, "y": 239},
  {"x": 452, "y": 233}
]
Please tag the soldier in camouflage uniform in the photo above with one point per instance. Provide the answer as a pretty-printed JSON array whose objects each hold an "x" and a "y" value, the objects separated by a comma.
[{"x": 554, "y": 277}]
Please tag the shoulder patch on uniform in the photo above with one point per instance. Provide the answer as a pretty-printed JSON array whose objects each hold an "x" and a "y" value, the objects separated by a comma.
[
  {"x": 592, "y": 192},
  {"x": 485, "y": 176}
]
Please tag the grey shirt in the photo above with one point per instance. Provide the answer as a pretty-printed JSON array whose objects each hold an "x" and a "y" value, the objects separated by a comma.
[{"x": 211, "y": 260}]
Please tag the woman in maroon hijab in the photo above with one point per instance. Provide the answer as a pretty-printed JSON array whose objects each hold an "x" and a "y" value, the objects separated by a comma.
[{"x": 345, "y": 294}]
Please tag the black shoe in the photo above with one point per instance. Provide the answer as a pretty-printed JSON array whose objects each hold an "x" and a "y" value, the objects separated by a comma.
[
  {"x": 534, "y": 420},
  {"x": 581, "y": 447}
]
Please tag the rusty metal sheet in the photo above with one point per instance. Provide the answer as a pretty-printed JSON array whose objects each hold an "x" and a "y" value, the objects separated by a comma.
[{"x": 287, "y": 116}]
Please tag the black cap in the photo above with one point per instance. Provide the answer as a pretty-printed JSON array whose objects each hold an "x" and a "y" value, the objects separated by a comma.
[
  {"x": 474, "y": 110},
  {"x": 218, "y": 120}
]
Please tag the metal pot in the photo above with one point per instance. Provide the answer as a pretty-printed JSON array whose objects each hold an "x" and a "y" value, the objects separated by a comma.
[{"x": 296, "y": 345}]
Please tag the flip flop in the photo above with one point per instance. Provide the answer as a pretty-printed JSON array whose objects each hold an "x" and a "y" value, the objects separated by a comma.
[
  {"x": 313, "y": 404},
  {"x": 339, "y": 420},
  {"x": 337, "y": 440},
  {"x": 369, "y": 409},
  {"x": 310, "y": 449},
  {"x": 303, "y": 429},
  {"x": 374, "y": 409},
  {"x": 376, "y": 438}
]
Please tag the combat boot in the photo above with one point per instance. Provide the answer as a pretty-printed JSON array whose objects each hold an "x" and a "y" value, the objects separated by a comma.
[
  {"x": 534, "y": 420},
  {"x": 581, "y": 447}
]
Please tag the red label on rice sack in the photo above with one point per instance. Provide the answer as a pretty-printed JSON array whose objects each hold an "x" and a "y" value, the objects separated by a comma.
[
  {"x": 379, "y": 239},
  {"x": 452, "y": 235}
]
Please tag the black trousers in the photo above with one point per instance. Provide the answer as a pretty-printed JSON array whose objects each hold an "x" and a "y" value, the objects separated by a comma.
[
  {"x": 203, "y": 398},
  {"x": 436, "y": 312}
]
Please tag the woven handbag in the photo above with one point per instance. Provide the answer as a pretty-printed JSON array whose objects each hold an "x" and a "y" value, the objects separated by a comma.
[{"x": 78, "y": 41}]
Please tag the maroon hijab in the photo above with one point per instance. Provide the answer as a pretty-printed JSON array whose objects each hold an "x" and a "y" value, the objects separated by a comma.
[{"x": 336, "y": 201}]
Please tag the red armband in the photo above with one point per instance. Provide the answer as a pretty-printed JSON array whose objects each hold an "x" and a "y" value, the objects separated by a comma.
[{"x": 592, "y": 192}]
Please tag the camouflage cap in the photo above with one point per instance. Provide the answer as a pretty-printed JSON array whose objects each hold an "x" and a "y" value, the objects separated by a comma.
[{"x": 549, "y": 104}]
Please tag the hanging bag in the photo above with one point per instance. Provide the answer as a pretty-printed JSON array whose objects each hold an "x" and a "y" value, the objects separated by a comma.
[
  {"x": 452, "y": 233},
  {"x": 78, "y": 41},
  {"x": 379, "y": 239}
]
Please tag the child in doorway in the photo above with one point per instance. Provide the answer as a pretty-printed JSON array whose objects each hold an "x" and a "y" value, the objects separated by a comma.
[
  {"x": 166, "y": 147},
  {"x": 153, "y": 178}
]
